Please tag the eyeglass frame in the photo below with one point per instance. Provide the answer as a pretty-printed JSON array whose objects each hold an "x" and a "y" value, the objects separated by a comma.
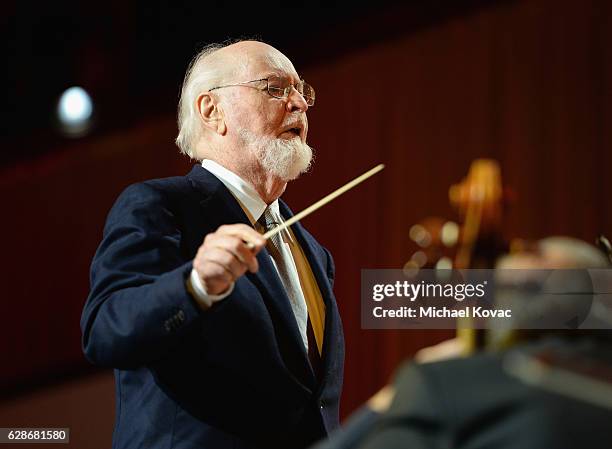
[{"x": 267, "y": 88}]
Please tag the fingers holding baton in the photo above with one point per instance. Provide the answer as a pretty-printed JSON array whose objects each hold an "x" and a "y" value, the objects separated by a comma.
[{"x": 227, "y": 254}]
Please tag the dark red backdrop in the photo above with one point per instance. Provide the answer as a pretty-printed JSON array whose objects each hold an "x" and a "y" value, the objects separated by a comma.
[{"x": 526, "y": 83}]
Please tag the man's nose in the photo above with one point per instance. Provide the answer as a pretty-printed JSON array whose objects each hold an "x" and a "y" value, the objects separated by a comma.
[{"x": 296, "y": 102}]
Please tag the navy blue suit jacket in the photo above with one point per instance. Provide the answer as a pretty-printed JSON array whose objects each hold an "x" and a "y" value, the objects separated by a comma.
[{"x": 234, "y": 376}]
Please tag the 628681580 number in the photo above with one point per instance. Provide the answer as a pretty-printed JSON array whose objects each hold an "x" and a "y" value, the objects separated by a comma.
[{"x": 49, "y": 435}]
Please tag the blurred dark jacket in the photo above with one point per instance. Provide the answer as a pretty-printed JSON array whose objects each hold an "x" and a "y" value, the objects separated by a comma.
[{"x": 474, "y": 403}]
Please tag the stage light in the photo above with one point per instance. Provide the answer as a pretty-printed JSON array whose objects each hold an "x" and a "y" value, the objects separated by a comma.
[
  {"x": 420, "y": 258},
  {"x": 411, "y": 269},
  {"x": 420, "y": 235},
  {"x": 444, "y": 264},
  {"x": 74, "y": 111},
  {"x": 449, "y": 233}
]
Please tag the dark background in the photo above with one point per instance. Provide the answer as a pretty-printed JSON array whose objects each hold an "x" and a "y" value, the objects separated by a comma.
[{"x": 423, "y": 86}]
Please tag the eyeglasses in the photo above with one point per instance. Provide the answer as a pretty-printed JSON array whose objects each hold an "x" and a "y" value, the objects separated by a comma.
[{"x": 279, "y": 87}]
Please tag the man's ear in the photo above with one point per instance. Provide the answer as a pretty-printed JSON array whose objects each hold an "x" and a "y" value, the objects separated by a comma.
[{"x": 211, "y": 113}]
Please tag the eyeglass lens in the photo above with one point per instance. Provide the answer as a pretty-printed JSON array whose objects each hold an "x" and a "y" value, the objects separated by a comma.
[{"x": 280, "y": 88}]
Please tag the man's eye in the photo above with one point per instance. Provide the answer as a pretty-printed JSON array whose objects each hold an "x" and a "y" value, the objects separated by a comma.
[{"x": 276, "y": 90}]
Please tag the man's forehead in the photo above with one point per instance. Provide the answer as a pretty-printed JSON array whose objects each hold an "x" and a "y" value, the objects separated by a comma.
[
  {"x": 259, "y": 59},
  {"x": 270, "y": 63}
]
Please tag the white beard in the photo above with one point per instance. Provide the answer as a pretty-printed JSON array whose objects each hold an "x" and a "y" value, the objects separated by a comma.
[{"x": 286, "y": 159}]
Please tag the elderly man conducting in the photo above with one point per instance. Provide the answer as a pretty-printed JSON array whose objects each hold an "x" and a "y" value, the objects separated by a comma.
[{"x": 219, "y": 338}]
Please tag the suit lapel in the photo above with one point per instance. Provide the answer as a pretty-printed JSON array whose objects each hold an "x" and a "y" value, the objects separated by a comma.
[
  {"x": 218, "y": 204},
  {"x": 308, "y": 244},
  {"x": 220, "y": 207}
]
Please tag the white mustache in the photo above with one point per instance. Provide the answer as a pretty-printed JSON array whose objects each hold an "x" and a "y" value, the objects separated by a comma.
[{"x": 294, "y": 124}]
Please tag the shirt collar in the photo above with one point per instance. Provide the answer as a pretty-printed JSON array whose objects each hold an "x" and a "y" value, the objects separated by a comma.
[{"x": 244, "y": 192}]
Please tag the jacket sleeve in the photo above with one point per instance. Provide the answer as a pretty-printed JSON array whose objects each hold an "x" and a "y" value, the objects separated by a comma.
[{"x": 138, "y": 307}]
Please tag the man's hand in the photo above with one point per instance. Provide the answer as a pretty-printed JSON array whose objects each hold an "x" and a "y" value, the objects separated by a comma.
[
  {"x": 224, "y": 256},
  {"x": 448, "y": 349},
  {"x": 381, "y": 401}
]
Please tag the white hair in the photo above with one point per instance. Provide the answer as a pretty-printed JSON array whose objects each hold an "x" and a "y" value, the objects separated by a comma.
[
  {"x": 578, "y": 253},
  {"x": 202, "y": 74}
]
